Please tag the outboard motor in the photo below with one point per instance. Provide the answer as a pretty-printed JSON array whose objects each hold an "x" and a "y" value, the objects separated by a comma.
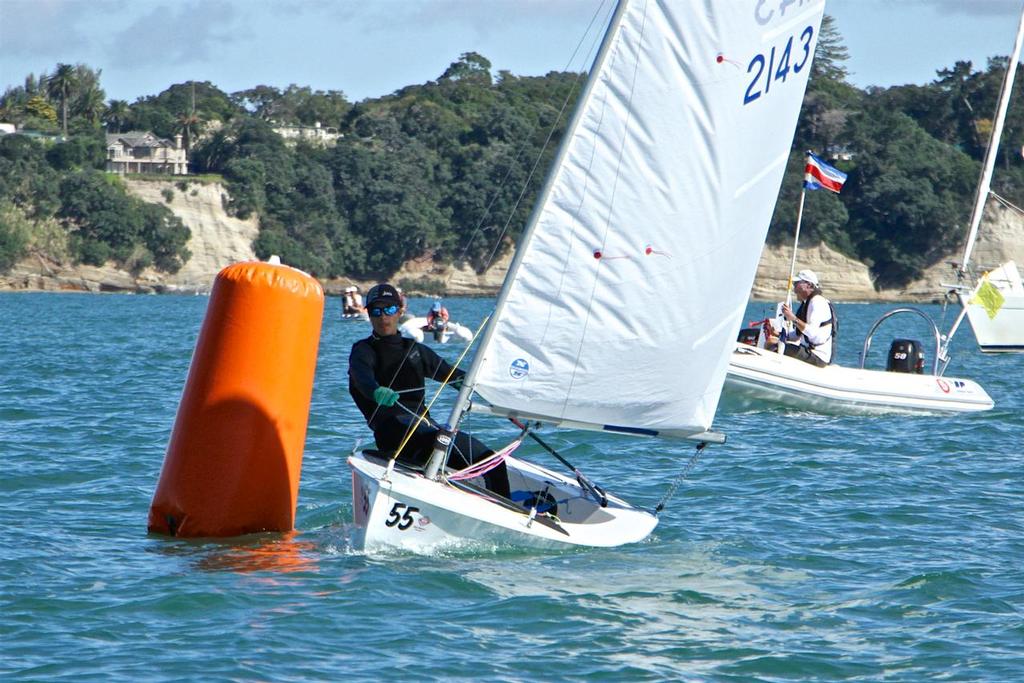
[
  {"x": 438, "y": 326},
  {"x": 905, "y": 355},
  {"x": 749, "y": 335}
]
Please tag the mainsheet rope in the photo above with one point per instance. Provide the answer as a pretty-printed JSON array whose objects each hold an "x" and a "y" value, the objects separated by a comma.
[{"x": 422, "y": 417}]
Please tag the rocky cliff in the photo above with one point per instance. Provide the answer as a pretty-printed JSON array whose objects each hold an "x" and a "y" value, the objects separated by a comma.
[{"x": 218, "y": 240}]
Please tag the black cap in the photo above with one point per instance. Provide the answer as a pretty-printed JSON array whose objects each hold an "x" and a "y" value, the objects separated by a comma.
[{"x": 383, "y": 295}]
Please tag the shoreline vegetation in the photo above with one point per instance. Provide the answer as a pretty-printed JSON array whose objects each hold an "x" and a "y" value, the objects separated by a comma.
[{"x": 430, "y": 185}]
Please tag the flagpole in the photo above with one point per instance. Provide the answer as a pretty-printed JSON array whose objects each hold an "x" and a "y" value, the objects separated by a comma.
[
  {"x": 817, "y": 174},
  {"x": 796, "y": 241}
]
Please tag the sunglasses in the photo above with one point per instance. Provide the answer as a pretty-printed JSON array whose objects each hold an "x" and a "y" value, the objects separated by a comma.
[{"x": 377, "y": 312}]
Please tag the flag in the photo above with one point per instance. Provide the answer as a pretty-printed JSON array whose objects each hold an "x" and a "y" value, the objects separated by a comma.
[
  {"x": 818, "y": 174},
  {"x": 989, "y": 297}
]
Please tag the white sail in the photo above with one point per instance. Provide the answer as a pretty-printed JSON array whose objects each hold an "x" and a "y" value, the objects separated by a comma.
[
  {"x": 626, "y": 298},
  {"x": 985, "y": 182}
]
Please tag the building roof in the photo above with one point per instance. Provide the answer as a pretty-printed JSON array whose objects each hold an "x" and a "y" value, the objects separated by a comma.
[{"x": 137, "y": 138}]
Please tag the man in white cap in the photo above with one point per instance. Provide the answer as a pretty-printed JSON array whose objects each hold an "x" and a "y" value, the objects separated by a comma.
[
  {"x": 815, "y": 323},
  {"x": 353, "y": 302}
]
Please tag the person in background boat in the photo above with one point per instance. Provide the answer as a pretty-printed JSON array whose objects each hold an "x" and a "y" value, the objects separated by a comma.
[
  {"x": 386, "y": 374},
  {"x": 814, "y": 322},
  {"x": 353, "y": 301},
  {"x": 437, "y": 319}
]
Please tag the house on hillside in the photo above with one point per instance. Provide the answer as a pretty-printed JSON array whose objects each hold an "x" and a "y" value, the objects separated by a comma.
[
  {"x": 143, "y": 152},
  {"x": 315, "y": 134}
]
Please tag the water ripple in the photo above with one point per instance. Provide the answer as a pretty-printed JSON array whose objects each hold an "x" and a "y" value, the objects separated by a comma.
[{"x": 807, "y": 548}]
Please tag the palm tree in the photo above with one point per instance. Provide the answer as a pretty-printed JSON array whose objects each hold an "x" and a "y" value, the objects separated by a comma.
[
  {"x": 117, "y": 114},
  {"x": 60, "y": 85},
  {"x": 90, "y": 104},
  {"x": 188, "y": 123}
]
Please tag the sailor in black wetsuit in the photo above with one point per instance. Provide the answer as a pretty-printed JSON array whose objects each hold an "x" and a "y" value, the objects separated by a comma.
[{"x": 386, "y": 372}]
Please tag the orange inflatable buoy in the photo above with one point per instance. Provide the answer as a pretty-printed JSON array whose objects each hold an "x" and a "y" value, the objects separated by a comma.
[{"x": 235, "y": 456}]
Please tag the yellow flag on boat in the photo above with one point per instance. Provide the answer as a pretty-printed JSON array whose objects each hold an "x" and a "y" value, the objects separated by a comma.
[{"x": 989, "y": 297}]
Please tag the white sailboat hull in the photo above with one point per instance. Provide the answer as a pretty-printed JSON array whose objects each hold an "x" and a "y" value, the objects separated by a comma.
[
  {"x": 1003, "y": 333},
  {"x": 757, "y": 376},
  {"x": 406, "y": 511}
]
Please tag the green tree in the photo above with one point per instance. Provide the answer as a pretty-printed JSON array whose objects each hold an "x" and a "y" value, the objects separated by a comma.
[
  {"x": 958, "y": 123},
  {"x": 116, "y": 115},
  {"x": 471, "y": 66},
  {"x": 164, "y": 237},
  {"x": 90, "y": 106},
  {"x": 186, "y": 124},
  {"x": 391, "y": 197},
  {"x": 26, "y": 179},
  {"x": 14, "y": 229},
  {"x": 60, "y": 86},
  {"x": 99, "y": 217},
  {"x": 909, "y": 194},
  {"x": 261, "y": 101},
  {"x": 38, "y": 107},
  {"x": 830, "y": 54}
]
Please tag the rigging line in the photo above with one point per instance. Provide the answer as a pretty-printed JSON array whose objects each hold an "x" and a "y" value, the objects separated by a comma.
[
  {"x": 547, "y": 141},
  {"x": 393, "y": 377},
  {"x": 426, "y": 410},
  {"x": 611, "y": 203},
  {"x": 434, "y": 423},
  {"x": 522, "y": 148},
  {"x": 1006, "y": 202},
  {"x": 583, "y": 481},
  {"x": 476, "y": 469},
  {"x": 682, "y": 475}
]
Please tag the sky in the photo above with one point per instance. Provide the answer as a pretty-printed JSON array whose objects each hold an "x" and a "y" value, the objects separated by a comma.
[{"x": 369, "y": 48}]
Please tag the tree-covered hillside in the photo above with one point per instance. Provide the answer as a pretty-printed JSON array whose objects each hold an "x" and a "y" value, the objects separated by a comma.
[{"x": 450, "y": 168}]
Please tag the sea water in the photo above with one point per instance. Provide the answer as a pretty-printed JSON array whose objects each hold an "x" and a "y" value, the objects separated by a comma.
[{"x": 807, "y": 548}]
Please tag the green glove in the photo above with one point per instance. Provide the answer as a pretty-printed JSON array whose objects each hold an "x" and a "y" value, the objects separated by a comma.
[{"x": 385, "y": 396}]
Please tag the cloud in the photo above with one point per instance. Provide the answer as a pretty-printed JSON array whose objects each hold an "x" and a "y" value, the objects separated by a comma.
[
  {"x": 177, "y": 33},
  {"x": 29, "y": 28}
]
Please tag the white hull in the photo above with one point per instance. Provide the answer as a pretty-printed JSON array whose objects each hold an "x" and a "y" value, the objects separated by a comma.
[
  {"x": 1005, "y": 332},
  {"x": 410, "y": 512},
  {"x": 1002, "y": 334},
  {"x": 757, "y": 376}
]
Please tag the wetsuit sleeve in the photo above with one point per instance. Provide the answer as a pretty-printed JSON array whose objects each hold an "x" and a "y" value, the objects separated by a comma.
[
  {"x": 437, "y": 368},
  {"x": 362, "y": 365}
]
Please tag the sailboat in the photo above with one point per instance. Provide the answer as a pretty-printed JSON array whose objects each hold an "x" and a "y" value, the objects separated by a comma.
[
  {"x": 630, "y": 280},
  {"x": 993, "y": 301}
]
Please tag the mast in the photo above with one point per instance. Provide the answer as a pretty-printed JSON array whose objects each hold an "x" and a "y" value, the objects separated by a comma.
[
  {"x": 469, "y": 381},
  {"x": 993, "y": 147},
  {"x": 985, "y": 181}
]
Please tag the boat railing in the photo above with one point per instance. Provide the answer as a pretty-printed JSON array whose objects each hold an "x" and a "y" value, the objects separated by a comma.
[{"x": 895, "y": 311}]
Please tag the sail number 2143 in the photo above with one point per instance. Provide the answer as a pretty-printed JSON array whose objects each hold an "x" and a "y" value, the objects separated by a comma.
[{"x": 765, "y": 70}]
